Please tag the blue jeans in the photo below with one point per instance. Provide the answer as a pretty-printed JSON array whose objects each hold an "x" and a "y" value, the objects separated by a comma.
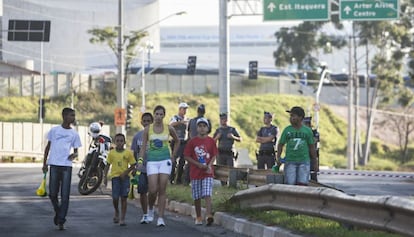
[
  {"x": 297, "y": 173},
  {"x": 60, "y": 178}
]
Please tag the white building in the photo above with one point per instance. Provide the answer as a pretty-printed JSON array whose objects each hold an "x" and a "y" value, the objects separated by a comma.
[{"x": 69, "y": 49}]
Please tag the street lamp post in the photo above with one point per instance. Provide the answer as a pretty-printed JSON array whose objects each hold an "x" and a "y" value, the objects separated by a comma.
[
  {"x": 146, "y": 50},
  {"x": 120, "y": 97},
  {"x": 120, "y": 83},
  {"x": 149, "y": 47},
  {"x": 143, "y": 80},
  {"x": 159, "y": 21}
]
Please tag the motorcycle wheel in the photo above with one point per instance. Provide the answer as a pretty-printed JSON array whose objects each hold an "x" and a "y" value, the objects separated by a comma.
[{"x": 91, "y": 180}]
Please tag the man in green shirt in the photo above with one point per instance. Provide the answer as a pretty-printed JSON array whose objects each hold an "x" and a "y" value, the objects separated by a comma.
[{"x": 299, "y": 149}]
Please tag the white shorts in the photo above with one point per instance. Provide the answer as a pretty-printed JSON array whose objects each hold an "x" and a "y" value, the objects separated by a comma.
[{"x": 159, "y": 167}]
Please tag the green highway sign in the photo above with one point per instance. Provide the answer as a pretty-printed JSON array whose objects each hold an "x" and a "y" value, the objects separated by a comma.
[
  {"x": 369, "y": 10},
  {"x": 304, "y": 10}
]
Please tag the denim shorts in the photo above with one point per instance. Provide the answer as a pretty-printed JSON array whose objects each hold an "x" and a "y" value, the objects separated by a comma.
[
  {"x": 120, "y": 187},
  {"x": 297, "y": 172}
]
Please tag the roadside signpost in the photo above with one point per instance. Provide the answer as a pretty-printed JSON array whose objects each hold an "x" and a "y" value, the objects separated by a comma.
[
  {"x": 32, "y": 31},
  {"x": 305, "y": 10},
  {"x": 369, "y": 10}
]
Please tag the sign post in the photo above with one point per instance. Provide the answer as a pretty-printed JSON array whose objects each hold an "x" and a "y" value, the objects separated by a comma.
[
  {"x": 31, "y": 31},
  {"x": 310, "y": 10},
  {"x": 365, "y": 10}
]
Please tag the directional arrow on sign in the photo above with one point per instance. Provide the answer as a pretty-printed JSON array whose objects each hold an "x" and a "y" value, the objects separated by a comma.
[
  {"x": 271, "y": 6},
  {"x": 368, "y": 10},
  {"x": 347, "y": 9},
  {"x": 285, "y": 10}
]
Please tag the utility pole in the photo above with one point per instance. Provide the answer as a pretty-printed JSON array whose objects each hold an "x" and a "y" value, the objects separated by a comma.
[
  {"x": 120, "y": 84},
  {"x": 350, "y": 147},
  {"x": 356, "y": 96},
  {"x": 224, "y": 73},
  {"x": 143, "y": 106}
]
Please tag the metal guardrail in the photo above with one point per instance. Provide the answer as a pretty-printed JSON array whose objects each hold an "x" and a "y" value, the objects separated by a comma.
[
  {"x": 378, "y": 212},
  {"x": 250, "y": 176}
]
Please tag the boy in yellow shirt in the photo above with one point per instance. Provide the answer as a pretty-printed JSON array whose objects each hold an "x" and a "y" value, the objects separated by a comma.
[{"x": 123, "y": 162}]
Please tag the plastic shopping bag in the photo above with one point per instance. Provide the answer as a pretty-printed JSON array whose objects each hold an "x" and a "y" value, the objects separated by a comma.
[{"x": 41, "y": 191}]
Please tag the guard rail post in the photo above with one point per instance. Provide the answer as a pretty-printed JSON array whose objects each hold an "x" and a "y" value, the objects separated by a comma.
[
  {"x": 274, "y": 179},
  {"x": 235, "y": 175}
]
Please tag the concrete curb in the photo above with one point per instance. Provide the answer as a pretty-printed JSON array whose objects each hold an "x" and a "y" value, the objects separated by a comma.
[{"x": 235, "y": 224}]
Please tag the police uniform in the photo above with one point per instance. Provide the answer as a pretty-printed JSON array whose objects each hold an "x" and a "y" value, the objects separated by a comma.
[
  {"x": 181, "y": 131},
  {"x": 266, "y": 153},
  {"x": 225, "y": 144}
]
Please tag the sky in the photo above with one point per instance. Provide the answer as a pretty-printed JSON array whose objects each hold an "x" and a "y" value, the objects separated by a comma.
[{"x": 206, "y": 13}]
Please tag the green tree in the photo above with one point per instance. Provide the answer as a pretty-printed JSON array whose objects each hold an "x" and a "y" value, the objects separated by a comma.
[
  {"x": 404, "y": 123},
  {"x": 301, "y": 43},
  {"x": 394, "y": 40},
  {"x": 109, "y": 36},
  {"x": 391, "y": 38}
]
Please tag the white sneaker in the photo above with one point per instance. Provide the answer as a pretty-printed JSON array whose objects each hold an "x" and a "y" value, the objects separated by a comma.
[
  {"x": 144, "y": 219},
  {"x": 160, "y": 221},
  {"x": 150, "y": 215},
  {"x": 198, "y": 221}
]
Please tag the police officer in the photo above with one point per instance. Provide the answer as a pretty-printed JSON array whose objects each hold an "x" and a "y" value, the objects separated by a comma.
[
  {"x": 267, "y": 137},
  {"x": 226, "y": 135},
  {"x": 192, "y": 126},
  {"x": 179, "y": 122},
  {"x": 314, "y": 165}
]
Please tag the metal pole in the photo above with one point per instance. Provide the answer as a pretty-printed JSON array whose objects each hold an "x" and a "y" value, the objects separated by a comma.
[
  {"x": 41, "y": 84},
  {"x": 41, "y": 93},
  {"x": 350, "y": 147},
  {"x": 224, "y": 74},
  {"x": 120, "y": 84},
  {"x": 318, "y": 92},
  {"x": 355, "y": 77},
  {"x": 143, "y": 81}
]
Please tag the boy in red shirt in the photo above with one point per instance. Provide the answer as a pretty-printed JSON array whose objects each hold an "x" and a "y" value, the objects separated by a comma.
[{"x": 200, "y": 152}]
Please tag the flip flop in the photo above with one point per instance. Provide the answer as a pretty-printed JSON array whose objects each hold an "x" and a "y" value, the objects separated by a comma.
[
  {"x": 122, "y": 223},
  {"x": 116, "y": 220}
]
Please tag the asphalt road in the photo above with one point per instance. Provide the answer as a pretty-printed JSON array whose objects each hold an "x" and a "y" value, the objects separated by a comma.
[
  {"x": 378, "y": 183},
  {"x": 22, "y": 213}
]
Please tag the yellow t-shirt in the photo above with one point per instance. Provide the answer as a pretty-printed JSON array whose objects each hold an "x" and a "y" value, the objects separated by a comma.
[{"x": 120, "y": 161}]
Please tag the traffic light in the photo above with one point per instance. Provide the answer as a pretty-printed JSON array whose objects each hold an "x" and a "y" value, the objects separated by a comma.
[
  {"x": 42, "y": 110},
  {"x": 129, "y": 115},
  {"x": 253, "y": 69},
  {"x": 191, "y": 64}
]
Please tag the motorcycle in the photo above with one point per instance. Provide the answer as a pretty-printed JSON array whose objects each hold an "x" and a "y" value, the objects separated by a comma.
[{"x": 91, "y": 172}]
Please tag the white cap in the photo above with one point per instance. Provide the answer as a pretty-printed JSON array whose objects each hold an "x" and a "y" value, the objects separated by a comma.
[
  {"x": 203, "y": 120},
  {"x": 183, "y": 105}
]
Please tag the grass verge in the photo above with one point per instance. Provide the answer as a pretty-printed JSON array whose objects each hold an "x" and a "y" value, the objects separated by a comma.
[{"x": 301, "y": 224}]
